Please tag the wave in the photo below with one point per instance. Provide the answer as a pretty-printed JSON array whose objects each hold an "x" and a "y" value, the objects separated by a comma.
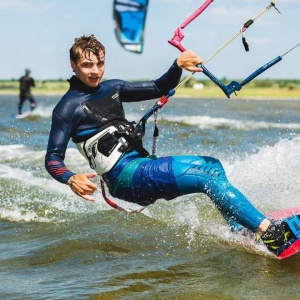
[
  {"x": 28, "y": 194},
  {"x": 270, "y": 177},
  {"x": 207, "y": 122},
  {"x": 41, "y": 111}
]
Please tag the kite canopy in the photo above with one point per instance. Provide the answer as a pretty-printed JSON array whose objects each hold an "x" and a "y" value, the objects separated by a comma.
[{"x": 130, "y": 18}]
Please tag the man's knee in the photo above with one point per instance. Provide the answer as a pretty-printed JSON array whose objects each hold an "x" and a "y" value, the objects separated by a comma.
[{"x": 213, "y": 167}]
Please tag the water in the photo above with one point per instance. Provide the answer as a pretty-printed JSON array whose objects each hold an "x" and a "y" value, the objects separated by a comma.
[{"x": 56, "y": 246}]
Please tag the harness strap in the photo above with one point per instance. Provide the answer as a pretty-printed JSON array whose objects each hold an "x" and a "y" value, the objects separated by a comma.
[
  {"x": 115, "y": 205},
  {"x": 133, "y": 143}
]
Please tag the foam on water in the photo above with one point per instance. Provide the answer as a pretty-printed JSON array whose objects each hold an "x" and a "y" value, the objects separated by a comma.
[
  {"x": 268, "y": 178},
  {"x": 207, "y": 122},
  {"x": 43, "y": 111},
  {"x": 28, "y": 193}
]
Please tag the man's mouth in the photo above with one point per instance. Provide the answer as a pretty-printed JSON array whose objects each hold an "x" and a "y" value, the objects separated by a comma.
[{"x": 93, "y": 79}]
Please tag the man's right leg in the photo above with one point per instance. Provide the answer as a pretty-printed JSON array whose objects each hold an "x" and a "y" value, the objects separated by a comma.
[
  {"x": 32, "y": 101},
  {"x": 197, "y": 174},
  {"x": 207, "y": 175}
]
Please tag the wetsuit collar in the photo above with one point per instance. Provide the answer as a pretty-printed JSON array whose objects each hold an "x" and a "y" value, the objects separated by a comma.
[{"x": 77, "y": 84}]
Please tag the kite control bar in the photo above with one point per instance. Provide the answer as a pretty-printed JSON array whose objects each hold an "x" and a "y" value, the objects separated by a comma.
[{"x": 234, "y": 85}]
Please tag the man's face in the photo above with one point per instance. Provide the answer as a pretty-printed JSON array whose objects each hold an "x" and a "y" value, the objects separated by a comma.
[{"x": 89, "y": 69}]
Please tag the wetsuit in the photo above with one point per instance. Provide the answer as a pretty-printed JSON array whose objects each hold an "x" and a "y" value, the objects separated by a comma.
[
  {"x": 136, "y": 178},
  {"x": 26, "y": 83}
]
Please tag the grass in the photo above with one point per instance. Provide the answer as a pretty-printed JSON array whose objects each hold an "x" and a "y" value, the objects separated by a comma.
[
  {"x": 41, "y": 88},
  {"x": 247, "y": 93},
  {"x": 59, "y": 87}
]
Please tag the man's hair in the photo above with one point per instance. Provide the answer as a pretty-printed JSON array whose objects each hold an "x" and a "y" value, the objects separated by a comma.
[{"x": 86, "y": 44}]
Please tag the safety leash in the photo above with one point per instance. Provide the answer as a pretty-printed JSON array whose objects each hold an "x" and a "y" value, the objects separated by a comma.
[{"x": 115, "y": 205}]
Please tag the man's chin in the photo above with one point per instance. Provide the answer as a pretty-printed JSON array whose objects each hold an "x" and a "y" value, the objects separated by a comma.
[{"x": 93, "y": 83}]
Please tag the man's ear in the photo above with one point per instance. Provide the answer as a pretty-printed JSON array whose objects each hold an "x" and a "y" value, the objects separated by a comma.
[{"x": 73, "y": 65}]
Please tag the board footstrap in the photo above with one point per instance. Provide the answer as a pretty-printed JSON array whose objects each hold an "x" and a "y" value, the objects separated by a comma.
[{"x": 294, "y": 224}]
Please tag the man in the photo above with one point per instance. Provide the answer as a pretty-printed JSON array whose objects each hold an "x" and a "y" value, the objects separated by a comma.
[
  {"x": 26, "y": 82},
  {"x": 92, "y": 115}
]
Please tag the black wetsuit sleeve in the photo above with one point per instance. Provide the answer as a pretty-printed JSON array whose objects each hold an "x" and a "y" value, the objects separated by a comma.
[
  {"x": 170, "y": 79},
  {"x": 57, "y": 145},
  {"x": 140, "y": 91}
]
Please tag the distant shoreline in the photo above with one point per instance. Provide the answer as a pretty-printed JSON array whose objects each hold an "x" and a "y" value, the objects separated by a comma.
[
  {"x": 258, "y": 89},
  {"x": 246, "y": 94}
]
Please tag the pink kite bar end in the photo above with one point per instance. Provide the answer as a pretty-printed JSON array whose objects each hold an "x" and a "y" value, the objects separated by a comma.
[
  {"x": 175, "y": 41},
  {"x": 197, "y": 13}
]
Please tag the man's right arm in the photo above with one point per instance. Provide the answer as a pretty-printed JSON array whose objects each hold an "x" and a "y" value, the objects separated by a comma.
[
  {"x": 59, "y": 137},
  {"x": 58, "y": 140}
]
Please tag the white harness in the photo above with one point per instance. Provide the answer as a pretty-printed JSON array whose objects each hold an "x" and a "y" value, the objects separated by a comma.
[{"x": 103, "y": 150}]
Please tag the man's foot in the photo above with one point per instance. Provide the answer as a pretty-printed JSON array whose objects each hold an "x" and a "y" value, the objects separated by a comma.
[{"x": 278, "y": 236}]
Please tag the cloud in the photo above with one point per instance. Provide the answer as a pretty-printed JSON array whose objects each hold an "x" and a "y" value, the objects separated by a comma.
[
  {"x": 24, "y": 6},
  {"x": 260, "y": 41}
]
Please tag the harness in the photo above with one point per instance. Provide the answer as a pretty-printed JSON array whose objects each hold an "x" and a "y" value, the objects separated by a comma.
[
  {"x": 103, "y": 148},
  {"x": 107, "y": 145}
]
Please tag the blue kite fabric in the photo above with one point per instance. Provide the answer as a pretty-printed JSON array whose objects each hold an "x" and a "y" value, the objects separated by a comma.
[{"x": 130, "y": 19}]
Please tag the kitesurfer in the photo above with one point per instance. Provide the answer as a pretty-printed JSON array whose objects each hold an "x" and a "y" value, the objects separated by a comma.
[
  {"x": 92, "y": 115},
  {"x": 26, "y": 82}
]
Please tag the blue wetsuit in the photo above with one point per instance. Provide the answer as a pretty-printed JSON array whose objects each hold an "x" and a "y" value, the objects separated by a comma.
[{"x": 139, "y": 179}]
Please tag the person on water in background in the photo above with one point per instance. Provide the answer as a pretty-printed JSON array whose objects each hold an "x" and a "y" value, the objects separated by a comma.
[
  {"x": 92, "y": 115},
  {"x": 26, "y": 82}
]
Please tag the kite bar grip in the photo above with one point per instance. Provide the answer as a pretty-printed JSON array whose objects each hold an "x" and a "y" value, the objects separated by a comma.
[
  {"x": 261, "y": 70},
  {"x": 236, "y": 86},
  {"x": 227, "y": 89}
]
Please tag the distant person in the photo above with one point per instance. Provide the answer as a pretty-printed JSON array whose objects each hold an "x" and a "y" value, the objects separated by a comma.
[{"x": 26, "y": 82}]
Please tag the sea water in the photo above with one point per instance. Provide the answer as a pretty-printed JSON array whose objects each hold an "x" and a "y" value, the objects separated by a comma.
[{"x": 54, "y": 245}]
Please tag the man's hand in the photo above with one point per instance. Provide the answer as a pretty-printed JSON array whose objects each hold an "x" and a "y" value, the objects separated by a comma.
[
  {"x": 81, "y": 185},
  {"x": 188, "y": 61}
]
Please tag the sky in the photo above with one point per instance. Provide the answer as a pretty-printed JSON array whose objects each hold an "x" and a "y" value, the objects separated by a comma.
[{"x": 37, "y": 34}]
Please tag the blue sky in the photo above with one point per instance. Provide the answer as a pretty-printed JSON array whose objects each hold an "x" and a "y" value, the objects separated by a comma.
[{"x": 37, "y": 34}]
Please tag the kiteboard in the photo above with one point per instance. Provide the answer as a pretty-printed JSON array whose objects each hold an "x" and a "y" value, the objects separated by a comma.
[{"x": 291, "y": 215}]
